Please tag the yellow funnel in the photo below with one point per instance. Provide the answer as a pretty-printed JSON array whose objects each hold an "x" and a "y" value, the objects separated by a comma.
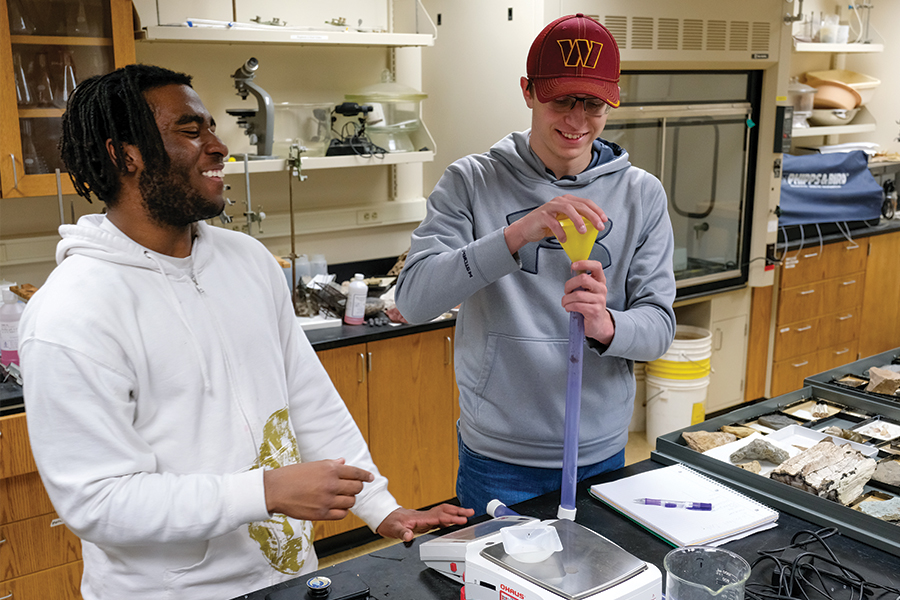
[{"x": 578, "y": 245}]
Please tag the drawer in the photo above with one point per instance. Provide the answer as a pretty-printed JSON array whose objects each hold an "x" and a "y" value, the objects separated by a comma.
[
  {"x": 839, "y": 328},
  {"x": 36, "y": 544},
  {"x": 801, "y": 302},
  {"x": 59, "y": 583},
  {"x": 830, "y": 358},
  {"x": 15, "y": 451},
  {"x": 23, "y": 497},
  {"x": 801, "y": 268},
  {"x": 842, "y": 258},
  {"x": 788, "y": 375},
  {"x": 795, "y": 339},
  {"x": 844, "y": 293}
]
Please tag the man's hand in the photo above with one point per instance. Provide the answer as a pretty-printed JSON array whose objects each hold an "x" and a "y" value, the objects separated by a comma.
[
  {"x": 314, "y": 491},
  {"x": 542, "y": 222},
  {"x": 585, "y": 293},
  {"x": 404, "y": 523}
]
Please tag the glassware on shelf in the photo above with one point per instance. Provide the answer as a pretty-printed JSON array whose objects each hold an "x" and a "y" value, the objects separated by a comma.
[
  {"x": 34, "y": 162},
  {"x": 43, "y": 88},
  {"x": 65, "y": 78},
  {"x": 20, "y": 21},
  {"x": 77, "y": 20},
  {"x": 24, "y": 97}
]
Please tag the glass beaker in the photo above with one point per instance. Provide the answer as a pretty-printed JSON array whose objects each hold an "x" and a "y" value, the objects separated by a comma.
[{"x": 705, "y": 573}]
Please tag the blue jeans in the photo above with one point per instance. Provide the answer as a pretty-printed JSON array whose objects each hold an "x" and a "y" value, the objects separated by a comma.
[{"x": 481, "y": 479}]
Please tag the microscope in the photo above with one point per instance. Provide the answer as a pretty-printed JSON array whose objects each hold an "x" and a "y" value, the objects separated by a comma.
[{"x": 259, "y": 124}]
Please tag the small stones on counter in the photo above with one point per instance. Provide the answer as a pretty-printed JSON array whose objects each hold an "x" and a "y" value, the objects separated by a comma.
[
  {"x": 739, "y": 431},
  {"x": 886, "y": 510},
  {"x": 776, "y": 421},
  {"x": 752, "y": 466},
  {"x": 701, "y": 441},
  {"x": 760, "y": 449}
]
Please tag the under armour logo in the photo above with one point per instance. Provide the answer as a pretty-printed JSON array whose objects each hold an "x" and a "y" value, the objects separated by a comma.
[
  {"x": 580, "y": 53},
  {"x": 529, "y": 253}
]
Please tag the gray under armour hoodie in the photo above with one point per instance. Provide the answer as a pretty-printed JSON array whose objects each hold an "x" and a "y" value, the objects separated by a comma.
[{"x": 512, "y": 332}]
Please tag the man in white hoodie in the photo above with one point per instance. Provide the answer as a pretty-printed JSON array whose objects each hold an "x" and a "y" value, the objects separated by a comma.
[{"x": 180, "y": 420}]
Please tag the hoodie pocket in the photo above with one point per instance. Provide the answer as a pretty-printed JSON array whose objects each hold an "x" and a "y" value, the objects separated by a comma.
[{"x": 522, "y": 386}]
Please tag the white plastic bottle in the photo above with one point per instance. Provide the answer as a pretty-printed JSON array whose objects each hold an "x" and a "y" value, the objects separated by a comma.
[
  {"x": 355, "y": 311},
  {"x": 10, "y": 312}
]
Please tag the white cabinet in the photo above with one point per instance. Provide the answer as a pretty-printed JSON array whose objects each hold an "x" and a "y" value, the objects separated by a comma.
[{"x": 727, "y": 317}]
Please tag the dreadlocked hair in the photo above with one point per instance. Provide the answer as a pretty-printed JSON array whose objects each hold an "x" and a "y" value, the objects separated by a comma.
[{"x": 113, "y": 107}]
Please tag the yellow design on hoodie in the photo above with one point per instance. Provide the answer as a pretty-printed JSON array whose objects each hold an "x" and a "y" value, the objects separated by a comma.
[{"x": 280, "y": 544}]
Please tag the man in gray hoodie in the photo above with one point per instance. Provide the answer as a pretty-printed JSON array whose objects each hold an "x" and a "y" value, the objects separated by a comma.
[{"x": 489, "y": 242}]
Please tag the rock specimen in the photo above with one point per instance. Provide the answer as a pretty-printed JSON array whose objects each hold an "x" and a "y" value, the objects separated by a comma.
[
  {"x": 883, "y": 381},
  {"x": 888, "y": 472},
  {"x": 886, "y": 510},
  {"x": 833, "y": 472},
  {"x": 820, "y": 411},
  {"x": 753, "y": 466},
  {"x": 701, "y": 441},
  {"x": 844, "y": 434},
  {"x": 776, "y": 421},
  {"x": 739, "y": 431},
  {"x": 760, "y": 449}
]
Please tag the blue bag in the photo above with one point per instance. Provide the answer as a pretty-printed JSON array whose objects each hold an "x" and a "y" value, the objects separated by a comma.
[{"x": 828, "y": 188}]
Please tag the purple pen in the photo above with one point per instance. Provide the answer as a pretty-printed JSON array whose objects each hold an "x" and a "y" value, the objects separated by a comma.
[{"x": 674, "y": 504}]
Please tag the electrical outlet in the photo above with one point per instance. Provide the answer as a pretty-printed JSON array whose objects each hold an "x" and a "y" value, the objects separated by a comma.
[{"x": 367, "y": 217}]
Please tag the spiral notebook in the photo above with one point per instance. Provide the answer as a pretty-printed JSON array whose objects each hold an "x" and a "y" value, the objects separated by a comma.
[{"x": 732, "y": 517}]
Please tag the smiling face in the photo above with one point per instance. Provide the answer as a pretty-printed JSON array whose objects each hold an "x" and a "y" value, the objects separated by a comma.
[
  {"x": 562, "y": 141},
  {"x": 191, "y": 188}
]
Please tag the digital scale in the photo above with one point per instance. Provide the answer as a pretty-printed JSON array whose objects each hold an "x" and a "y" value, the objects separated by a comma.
[{"x": 589, "y": 567}]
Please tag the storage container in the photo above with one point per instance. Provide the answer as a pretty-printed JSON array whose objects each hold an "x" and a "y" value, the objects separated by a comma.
[
  {"x": 308, "y": 125},
  {"x": 864, "y": 85}
]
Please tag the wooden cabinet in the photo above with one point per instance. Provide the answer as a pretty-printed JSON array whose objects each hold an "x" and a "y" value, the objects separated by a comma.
[
  {"x": 39, "y": 556},
  {"x": 402, "y": 393},
  {"x": 820, "y": 303},
  {"x": 43, "y": 51},
  {"x": 880, "y": 327}
]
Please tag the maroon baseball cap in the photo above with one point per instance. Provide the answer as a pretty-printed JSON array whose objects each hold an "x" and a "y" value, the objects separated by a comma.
[{"x": 575, "y": 55}]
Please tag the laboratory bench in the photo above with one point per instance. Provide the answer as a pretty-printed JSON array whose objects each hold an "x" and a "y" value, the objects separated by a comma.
[{"x": 397, "y": 573}]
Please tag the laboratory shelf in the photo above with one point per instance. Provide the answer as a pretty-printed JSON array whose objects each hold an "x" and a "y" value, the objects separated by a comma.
[
  {"x": 272, "y": 35},
  {"x": 840, "y": 48},
  {"x": 863, "y": 123},
  {"x": 329, "y": 162}
]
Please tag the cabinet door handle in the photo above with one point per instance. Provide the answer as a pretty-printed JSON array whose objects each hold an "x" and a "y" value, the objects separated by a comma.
[
  {"x": 12, "y": 157},
  {"x": 6, "y": 597},
  {"x": 851, "y": 282},
  {"x": 803, "y": 364},
  {"x": 807, "y": 292},
  {"x": 845, "y": 318},
  {"x": 448, "y": 350},
  {"x": 799, "y": 329},
  {"x": 813, "y": 255},
  {"x": 844, "y": 351},
  {"x": 362, "y": 368},
  {"x": 369, "y": 365}
]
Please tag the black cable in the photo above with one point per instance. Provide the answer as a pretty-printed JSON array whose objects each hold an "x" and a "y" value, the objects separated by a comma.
[{"x": 810, "y": 574}]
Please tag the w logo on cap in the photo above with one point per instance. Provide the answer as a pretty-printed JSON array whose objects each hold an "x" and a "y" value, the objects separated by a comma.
[{"x": 580, "y": 53}]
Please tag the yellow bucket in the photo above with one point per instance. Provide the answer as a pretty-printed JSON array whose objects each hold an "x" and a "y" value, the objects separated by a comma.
[{"x": 674, "y": 369}]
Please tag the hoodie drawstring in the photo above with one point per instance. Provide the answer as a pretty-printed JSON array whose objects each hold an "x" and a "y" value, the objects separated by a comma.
[{"x": 178, "y": 309}]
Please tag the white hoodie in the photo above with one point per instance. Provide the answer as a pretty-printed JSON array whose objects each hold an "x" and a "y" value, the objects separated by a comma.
[{"x": 156, "y": 391}]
